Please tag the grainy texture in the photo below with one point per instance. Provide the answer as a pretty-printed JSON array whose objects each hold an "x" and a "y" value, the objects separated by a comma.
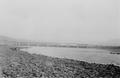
[{"x": 21, "y": 64}]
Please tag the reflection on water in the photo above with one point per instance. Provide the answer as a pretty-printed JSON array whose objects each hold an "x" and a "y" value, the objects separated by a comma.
[{"x": 83, "y": 54}]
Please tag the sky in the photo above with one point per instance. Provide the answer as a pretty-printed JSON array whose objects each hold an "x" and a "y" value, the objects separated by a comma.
[{"x": 60, "y": 20}]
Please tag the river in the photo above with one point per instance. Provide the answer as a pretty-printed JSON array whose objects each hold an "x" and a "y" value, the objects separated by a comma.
[{"x": 82, "y": 54}]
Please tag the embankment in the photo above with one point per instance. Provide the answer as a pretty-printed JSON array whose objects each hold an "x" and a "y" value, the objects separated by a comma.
[{"x": 20, "y": 64}]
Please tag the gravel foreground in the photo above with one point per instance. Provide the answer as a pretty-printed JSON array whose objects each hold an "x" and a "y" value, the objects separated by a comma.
[{"x": 19, "y": 64}]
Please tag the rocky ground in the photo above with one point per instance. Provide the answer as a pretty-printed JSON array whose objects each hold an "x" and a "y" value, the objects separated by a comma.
[{"x": 18, "y": 64}]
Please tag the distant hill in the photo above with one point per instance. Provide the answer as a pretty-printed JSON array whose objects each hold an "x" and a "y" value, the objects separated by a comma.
[
  {"x": 4, "y": 40},
  {"x": 114, "y": 42}
]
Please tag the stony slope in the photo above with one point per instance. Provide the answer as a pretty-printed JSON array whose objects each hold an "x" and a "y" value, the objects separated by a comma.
[{"x": 19, "y": 64}]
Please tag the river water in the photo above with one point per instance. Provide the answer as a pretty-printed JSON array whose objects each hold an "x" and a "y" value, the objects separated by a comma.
[{"x": 82, "y": 54}]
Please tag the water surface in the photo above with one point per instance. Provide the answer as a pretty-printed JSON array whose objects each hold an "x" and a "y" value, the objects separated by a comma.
[{"x": 82, "y": 54}]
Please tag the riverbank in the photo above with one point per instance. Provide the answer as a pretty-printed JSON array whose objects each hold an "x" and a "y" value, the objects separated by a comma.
[
  {"x": 21, "y": 64},
  {"x": 83, "y": 54}
]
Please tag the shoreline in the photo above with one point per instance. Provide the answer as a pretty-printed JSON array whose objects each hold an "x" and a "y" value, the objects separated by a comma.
[
  {"x": 41, "y": 66},
  {"x": 94, "y": 56}
]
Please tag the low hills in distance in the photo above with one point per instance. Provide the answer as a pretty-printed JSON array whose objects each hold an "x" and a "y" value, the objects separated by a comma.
[
  {"x": 15, "y": 63},
  {"x": 112, "y": 45}
]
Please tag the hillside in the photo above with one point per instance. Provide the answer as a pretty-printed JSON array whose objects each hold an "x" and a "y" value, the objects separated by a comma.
[
  {"x": 19, "y": 64},
  {"x": 113, "y": 42},
  {"x": 4, "y": 40}
]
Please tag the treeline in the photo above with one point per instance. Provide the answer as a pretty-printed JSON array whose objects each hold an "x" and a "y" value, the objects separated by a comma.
[{"x": 24, "y": 65}]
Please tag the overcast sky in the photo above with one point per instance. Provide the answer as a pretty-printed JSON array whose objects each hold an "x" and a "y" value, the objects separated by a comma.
[{"x": 60, "y": 20}]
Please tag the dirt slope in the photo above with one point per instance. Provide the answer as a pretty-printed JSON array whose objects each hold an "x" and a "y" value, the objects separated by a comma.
[{"x": 19, "y": 64}]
